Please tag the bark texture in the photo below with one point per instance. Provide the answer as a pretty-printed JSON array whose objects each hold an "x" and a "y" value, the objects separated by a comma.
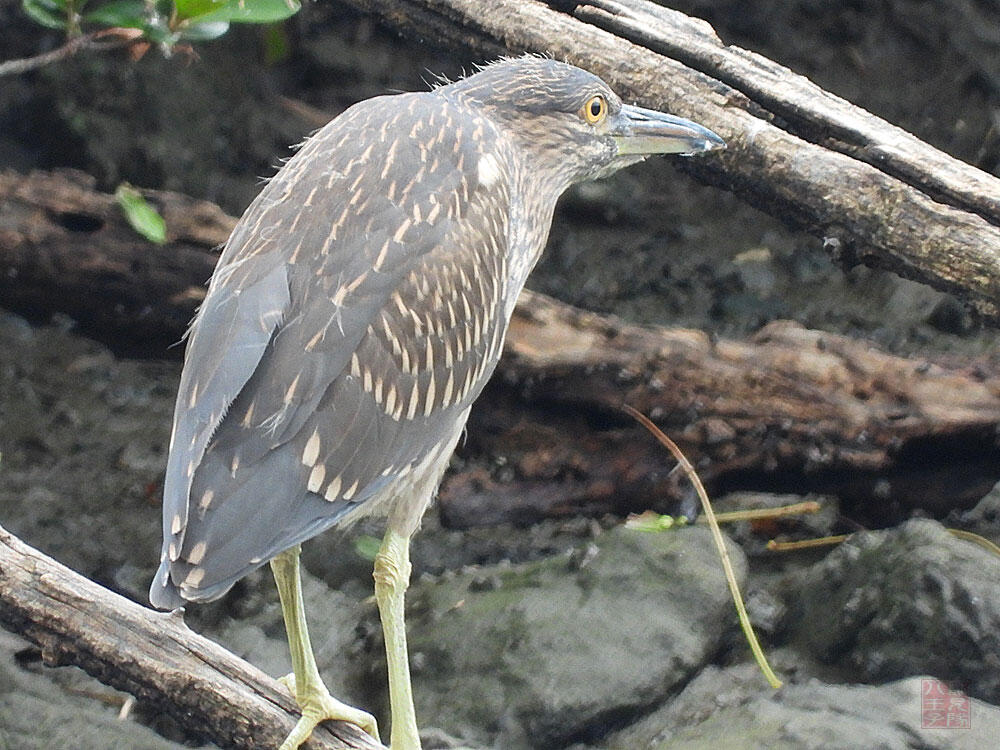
[
  {"x": 789, "y": 410},
  {"x": 66, "y": 248},
  {"x": 152, "y": 655}
]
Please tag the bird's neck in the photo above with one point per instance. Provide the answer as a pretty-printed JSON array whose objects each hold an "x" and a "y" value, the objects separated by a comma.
[{"x": 530, "y": 222}]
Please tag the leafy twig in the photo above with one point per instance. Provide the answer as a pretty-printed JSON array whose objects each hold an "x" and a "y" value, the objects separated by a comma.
[{"x": 98, "y": 41}]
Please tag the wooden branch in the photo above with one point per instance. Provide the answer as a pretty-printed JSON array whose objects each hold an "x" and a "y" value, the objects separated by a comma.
[
  {"x": 151, "y": 655},
  {"x": 874, "y": 193},
  {"x": 803, "y": 108},
  {"x": 791, "y": 410}
]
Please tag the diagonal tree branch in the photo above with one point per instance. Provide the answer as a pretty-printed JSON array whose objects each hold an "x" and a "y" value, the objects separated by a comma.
[
  {"x": 874, "y": 193},
  {"x": 802, "y": 107},
  {"x": 151, "y": 655}
]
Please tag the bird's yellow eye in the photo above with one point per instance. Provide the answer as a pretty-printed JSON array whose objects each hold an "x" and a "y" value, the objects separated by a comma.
[{"x": 595, "y": 109}]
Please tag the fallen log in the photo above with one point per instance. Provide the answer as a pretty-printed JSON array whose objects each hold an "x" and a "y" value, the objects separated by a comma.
[
  {"x": 66, "y": 248},
  {"x": 874, "y": 193},
  {"x": 152, "y": 655},
  {"x": 789, "y": 410}
]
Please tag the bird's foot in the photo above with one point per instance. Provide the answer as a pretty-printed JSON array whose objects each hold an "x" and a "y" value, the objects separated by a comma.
[{"x": 317, "y": 706}]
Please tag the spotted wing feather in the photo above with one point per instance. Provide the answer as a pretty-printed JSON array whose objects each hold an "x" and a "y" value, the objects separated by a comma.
[{"x": 392, "y": 267}]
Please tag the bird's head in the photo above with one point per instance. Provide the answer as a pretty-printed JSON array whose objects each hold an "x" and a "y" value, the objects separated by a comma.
[{"x": 570, "y": 124}]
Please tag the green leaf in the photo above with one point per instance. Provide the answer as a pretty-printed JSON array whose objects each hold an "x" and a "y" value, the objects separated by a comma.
[
  {"x": 366, "y": 546},
  {"x": 160, "y": 33},
  {"x": 192, "y": 8},
  {"x": 142, "y": 217},
  {"x": 203, "y": 32},
  {"x": 236, "y": 11},
  {"x": 49, "y": 13},
  {"x": 127, "y": 13},
  {"x": 277, "y": 47}
]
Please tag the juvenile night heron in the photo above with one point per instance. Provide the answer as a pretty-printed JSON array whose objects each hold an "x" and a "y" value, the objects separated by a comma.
[{"x": 357, "y": 310}]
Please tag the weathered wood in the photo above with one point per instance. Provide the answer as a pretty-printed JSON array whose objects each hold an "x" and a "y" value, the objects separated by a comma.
[
  {"x": 870, "y": 190},
  {"x": 790, "y": 410},
  {"x": 802, "y": 107},
  {"x": 151, "y": 655}
]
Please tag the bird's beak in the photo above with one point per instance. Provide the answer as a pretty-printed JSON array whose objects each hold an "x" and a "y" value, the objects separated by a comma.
[{"x": 641, "y": 131}]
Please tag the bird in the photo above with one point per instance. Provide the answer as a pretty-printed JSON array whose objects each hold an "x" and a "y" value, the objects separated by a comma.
[{"x": 355, "y": 314}]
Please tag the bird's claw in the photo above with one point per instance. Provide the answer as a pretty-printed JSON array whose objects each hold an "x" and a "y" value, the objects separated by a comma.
[
  {"x": 317, "y": 706},
  {"x": 288, "y": 681}
]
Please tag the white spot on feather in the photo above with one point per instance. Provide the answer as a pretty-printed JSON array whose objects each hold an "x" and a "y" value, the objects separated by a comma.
[
  {"x": 197, "y": 553},
  {"x": 194, "y": 578},
  {"x": 429, "y": 407},
  {"x": 316, "y": 477},
  {"x": 488, "y": 170},
  {"x": 206, "y": 499},
  {"x": 311, "y": 452},
  {"x": 351, "y": 490},
  {"x": 333, "y": 489},
  {"x": 448, "y": 386}
]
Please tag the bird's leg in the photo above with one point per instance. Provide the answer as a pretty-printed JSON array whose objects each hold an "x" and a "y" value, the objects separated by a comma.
[
  {"x": 392, "y": 576},
  {"x": 310, "y": 693}
]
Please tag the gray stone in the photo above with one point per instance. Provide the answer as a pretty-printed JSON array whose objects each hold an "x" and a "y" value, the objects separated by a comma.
[
  {"x": 332, "y": 618},
  {"x": 536, "y": 655},
  {"x": 984, "y": 518},
  {"x": 911, "y": 600},
  {"x": 733, "y": 709},
  {"x": 49, "y": 709}
]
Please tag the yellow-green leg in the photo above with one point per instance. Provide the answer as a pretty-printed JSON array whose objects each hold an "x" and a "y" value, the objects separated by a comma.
[
  {"x": 306, "y": 684},
  {"x": 392, "y": 576}
]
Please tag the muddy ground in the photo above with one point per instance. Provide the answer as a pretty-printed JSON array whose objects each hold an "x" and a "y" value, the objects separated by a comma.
[{"x": 84, "y": 432}]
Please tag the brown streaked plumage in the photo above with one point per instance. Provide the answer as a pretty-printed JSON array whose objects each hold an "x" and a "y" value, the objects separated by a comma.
[{"x": 356, "y": 313}]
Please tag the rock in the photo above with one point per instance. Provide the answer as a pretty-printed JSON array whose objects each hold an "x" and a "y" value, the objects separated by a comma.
[
  {"x": 910, "y": 600},
  {"x": 539, "y": 654},
  {"x": 984, "y": 518},
  {"x": 40, "y": 712},
  {"x": 84, "y": 445},
  {"x": 437, "y": 739},
  {"x": 733, "y": 709}
]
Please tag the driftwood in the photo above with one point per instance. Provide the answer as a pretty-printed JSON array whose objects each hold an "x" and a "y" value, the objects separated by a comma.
[
  {"x": 153, "y": 656},
  {"x": 789, "y": 410},
  {"x": 874, "y": 193}
]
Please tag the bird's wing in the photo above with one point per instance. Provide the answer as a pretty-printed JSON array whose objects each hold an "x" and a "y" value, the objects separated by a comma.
[{"x": 356, "y": 313}]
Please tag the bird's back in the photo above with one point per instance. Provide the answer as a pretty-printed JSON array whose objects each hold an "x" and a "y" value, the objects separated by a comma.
[{"x": 357, "y": 310}]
